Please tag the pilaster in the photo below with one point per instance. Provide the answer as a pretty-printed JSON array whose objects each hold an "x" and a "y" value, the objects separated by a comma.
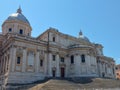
[
  {"x": 6, "y": 63},
  {"x": 50, "y": 64},
  {"x": 37, "y": 61},
  {"x": 0, "y": 65},
  {"x": 87, "y": 61},
  {"x": 46, "y": 65},
  {"x": 77, "y": 64},
  {"x": 13, "y": 58},
  {"x": 58, "y": 67},
  {"x": 24, "y": 59}
]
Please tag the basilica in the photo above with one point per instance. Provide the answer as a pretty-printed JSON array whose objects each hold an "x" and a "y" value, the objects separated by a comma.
[{"x": 26, "y": 59}]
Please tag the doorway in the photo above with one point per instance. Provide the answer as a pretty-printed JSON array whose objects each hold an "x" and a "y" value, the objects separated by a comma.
[
  {"x": 103, "y": 74},
  {"x": 62, "y": 72},
  {"x": 53, "y": 73}
]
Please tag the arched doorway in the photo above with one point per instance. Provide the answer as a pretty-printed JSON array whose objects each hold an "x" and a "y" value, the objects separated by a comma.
[{"x": 62, "y": 72}]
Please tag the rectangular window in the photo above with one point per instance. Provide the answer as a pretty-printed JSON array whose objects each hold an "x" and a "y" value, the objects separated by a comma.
[
  {"x": 18, "y": 60},
  {"x": 53, "y": 57},
  {"x": 41, "y": 63},
  {"x": 62, "y": 59},
  {"x": 28, "y": 34},
  {"x": 83, "y": 58},
  {"x": 10, "y": 29},
  {"x": 53, "y": 39},
  {"x": 21, "y": 31},
  {"x": 72, "y": 59}
]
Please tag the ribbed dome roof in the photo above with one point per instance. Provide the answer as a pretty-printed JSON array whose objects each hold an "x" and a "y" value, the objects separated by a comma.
[
  {"x": 18, "y": 16},
  {"x": 81, "y": 36}
]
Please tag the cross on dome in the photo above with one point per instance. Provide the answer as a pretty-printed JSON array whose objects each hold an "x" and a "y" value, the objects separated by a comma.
[{"x": 19, "y": 10}]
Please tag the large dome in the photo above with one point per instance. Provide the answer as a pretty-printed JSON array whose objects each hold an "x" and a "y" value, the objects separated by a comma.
[
  {"x": 81, "y": 36},
  {"x": 18, "y": 16}
]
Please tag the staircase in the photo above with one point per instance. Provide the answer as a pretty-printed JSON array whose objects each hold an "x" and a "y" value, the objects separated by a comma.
[{"x": 72, "y": 84}]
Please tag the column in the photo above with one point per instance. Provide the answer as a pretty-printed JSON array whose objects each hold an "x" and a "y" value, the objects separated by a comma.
[
  {"x": 13, "y": 61},
  {"x": 58, "y": 67},
  {"x": 24, "y": 59},
  {"x": 37, "y": 66}
]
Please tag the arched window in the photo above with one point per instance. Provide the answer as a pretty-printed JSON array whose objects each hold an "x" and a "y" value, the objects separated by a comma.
[
  {"x": 72, "y": 59},
  {"x": 83, "y": 58}
]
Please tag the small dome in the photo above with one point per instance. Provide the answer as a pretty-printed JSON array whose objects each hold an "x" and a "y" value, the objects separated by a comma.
[
  {"x": 81, "y": 36},
  {"x": 18, "y": 16}
]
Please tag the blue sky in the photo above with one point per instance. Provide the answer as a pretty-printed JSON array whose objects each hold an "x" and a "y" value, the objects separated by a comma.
[{"x": 98, "y": 19}]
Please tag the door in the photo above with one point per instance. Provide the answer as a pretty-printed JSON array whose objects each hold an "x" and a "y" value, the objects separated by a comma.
[
  {"x": 53, "y": 73},
  {"x": 62, "y": 72}
]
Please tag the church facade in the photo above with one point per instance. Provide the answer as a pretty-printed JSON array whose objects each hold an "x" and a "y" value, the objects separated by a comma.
[{"x": 25, "y": 59}]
